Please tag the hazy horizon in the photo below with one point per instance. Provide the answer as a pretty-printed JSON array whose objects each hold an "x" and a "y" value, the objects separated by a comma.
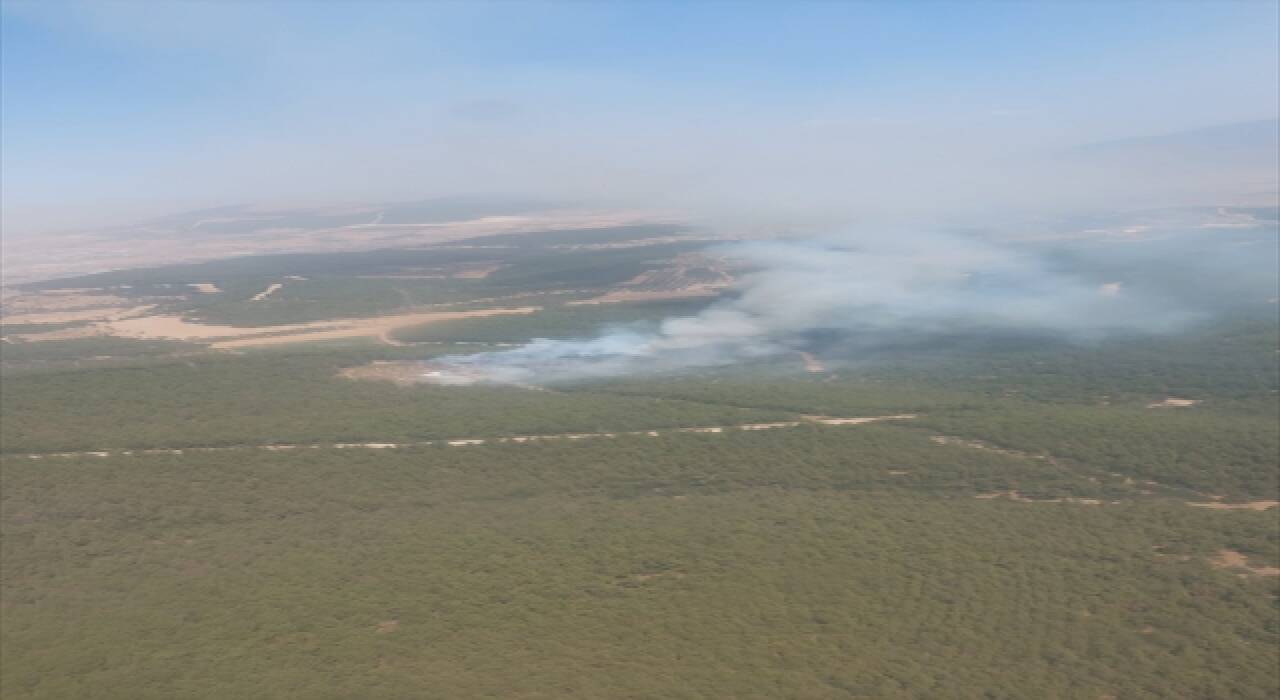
[{"x": 116, "y": 112}]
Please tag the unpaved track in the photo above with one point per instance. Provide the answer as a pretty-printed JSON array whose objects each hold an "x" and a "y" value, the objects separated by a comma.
[
  {"x": 1251, "y": 505},
  {"x": 275, "y": 286},
  {"x": 464, "y": 442},
  {"x": 174, "y": 327}
]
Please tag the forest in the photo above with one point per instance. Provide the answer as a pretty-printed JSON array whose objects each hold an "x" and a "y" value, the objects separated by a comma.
[
  {"x": 759, "y": 565},
  {"x": 179, "y": 521}
]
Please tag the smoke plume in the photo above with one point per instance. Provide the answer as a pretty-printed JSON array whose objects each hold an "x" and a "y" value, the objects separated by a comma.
[{"x": 863, "y": 291}]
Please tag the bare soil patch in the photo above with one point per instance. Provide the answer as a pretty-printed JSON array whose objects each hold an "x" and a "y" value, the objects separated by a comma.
[
  {"x": 980, "y": 445},
  {"x": 271, "y": 289},
  {"x": 108, "y": 313},
  {"x": 477, "y": 272},
  {"x": 1173, "y": 402},
  {"x": 1015, "y": 496},
  {"x": 1252, "y": 505},
  {"x": 641, "y": 577},
  {"x": 811, "y": 363},
  {"x": 174, "y": 327},
  {"x": 828, "y": 420},
  {"x": 1231, "y": 559}
]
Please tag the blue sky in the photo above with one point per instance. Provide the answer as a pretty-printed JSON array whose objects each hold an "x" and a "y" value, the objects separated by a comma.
[{"x": 118, "y": 110}]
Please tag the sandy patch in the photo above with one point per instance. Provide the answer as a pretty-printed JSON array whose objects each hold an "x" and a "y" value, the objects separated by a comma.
[
  {"x": 71, "y": 290},
  {"x": 365, "y": 445},
  {"x": 205, "y": 287},
  {"x": 1252, "y": 505},
  {"x": 110, "y": 313},
  {"x": 1015, "y": 496},
  {"x": 828, "y": 420},
  {"x": 1231, "y": 559},
  {"x": 267, "y": 292},
  {"x": 401, "y": 277},
  {"x": 174, "y": 327},
  {"x": 980, "y": 445},
  {"x": 811, "y": 363},
  {"x": 650, "y": 575},
  {"x": 388, "y": 626},
  {"x": 478, "y": 272},
  {"x": 1172, "y": 402}
]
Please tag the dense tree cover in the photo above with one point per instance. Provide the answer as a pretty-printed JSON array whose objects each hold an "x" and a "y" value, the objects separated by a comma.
[
  {"x": 1232, "y": 455},
  {"x": 790, "y": 389},
  {"x": 1229, "y": 359},
  {"x": 287, "y": 397},
  {"x": 33, "y": 355},
  {"x": 1084, "y": 403},
  {"x": 1206, "y": 448},
  {"x": 814, "y": 561},
  {"x": 555, "y": 269},
  {"x": 1226, "y": 445},
  {"x": 560, "y": 321},
  {"x": 751, "y": 565},
  {"x": 321, "y": 298}
]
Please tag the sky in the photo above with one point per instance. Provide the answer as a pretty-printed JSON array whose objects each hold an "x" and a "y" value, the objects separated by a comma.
[{"x": 111, "y": 111}]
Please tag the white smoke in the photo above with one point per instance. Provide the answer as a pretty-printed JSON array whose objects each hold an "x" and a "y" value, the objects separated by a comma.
[{"x": 863, "y": 290}]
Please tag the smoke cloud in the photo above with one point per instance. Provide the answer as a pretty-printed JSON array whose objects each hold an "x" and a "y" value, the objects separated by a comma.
[{"x": 863, "y": 291}]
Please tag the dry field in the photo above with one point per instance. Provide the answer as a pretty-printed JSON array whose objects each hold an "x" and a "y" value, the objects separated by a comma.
[
  {"x": 173, "y": 327},
  {"x": 50, "y": 256},
  {"x": 135, "y": 322}
]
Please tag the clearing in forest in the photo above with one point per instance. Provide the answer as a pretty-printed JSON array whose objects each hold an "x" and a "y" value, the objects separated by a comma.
[
  {"x": 1231, "y": 559},
  {"x": 1173, "y": 402},
  {"x": 175, "y": 327}
]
